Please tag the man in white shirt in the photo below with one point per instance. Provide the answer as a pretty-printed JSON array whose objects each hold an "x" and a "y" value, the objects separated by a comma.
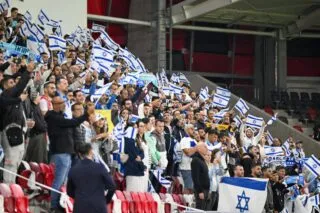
[
  {"x": 45, "y": 100},
  {"x": 188, "y": 146}
]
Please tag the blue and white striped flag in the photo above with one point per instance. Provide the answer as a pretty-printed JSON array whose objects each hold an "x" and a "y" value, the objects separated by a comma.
[
  {"x": 253, "y": 121},
  {"x": 273, "y": 150},
  {"x": 35, "y": 31},
  {"x": 54, "y": 24},
  {"x": 27, "y": 16},
  {"x": 164, "y": 182},
  {"x": 134, "y": 118},
  {"x": 43, "y": 17},
  {"x": 167, "y": 90},
  {"x": 313, "y": 165},
  {"x": 273, "y": 118},
  {"x": 57, "y": 43},
  {"x": 218, "y": 116},
  {"x": 237, "y": 120},
  {"x": 175, "y": 78},
  {"x": 74, "y": 42},
  {"x": 131, "y": 133},
  {"x": 24, "y": 29},
  {"x": 102, "y": 55},
  {"x": 176, "y": 89},
  {"x": 269, "y": 138},
  {"x": 220, "y": 101},
  {"x": 37, "y": 47},
  {"x": 97, "y": 28},
  {"x": 286, "y": 146},
  {"x": 223, "y": 92},
  {"x": 109, "y": 42},
  {"x": 204, "y": 94},
  {"x": 131, "y": 60},
  {"x": 183, "y": 78},
  {"x": 241, "y": 106},
  {"x": 80, "y": 62},
  {"x": 5, "y": 5},
  {"x": 101, "y": 91}
]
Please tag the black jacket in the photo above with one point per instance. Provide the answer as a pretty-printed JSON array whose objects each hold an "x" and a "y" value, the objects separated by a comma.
[
  {"x": 199, "y": 173},
  {"x": 87, "y": 183},
  {"x": 133, "y": 167},
  {"x": 40, "y": 125},
  {"x": 60, "y": 131}
]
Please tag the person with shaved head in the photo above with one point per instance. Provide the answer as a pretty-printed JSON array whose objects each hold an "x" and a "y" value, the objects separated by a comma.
[{"x": 200, "y": 177}]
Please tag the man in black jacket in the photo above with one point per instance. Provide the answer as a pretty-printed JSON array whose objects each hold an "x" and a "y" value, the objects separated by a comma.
[
  {"x": 60, "y": 131},
  {"x": 13, "y": 122},
  {"x": 200, "y": 176}
]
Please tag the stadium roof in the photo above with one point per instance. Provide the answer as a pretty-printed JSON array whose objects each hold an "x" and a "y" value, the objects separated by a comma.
[{"x": 294, "y": 16}]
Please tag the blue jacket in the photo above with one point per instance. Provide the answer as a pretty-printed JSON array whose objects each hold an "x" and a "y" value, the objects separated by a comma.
[
  {"x": 133, "y": 167},
  {"x": 87, "y": 183}
]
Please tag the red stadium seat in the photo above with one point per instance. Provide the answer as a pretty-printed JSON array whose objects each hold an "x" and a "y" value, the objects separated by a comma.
[
  {"x": 312, "y": 114},
  {"x": 47, "y": 173},
  {"x": 69, "y": 208},
  {"x": 269, "y": 110},
  {"x": 128, "y": 197},
  {"x": 22, "y": 182},
  {"x": 124, "y": 201},
  {"x": 152, "y": 203},
  {"x": 167, "y": 206},
  {"x": 298, "y": 127},
  {"x": 5, "y": 191},
  {"x": 21, "y": 201},
  {"x": 34, "y": 167},
  {"x": 139, "y": 205},
  {"x": 177, "y": 199}
]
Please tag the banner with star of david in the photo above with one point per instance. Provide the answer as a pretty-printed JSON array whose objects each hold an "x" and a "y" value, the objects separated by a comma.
[{"x": 242, "y": 195}]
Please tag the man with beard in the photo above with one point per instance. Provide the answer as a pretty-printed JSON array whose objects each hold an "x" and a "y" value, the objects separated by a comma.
[{"x": 45, "y": 100}]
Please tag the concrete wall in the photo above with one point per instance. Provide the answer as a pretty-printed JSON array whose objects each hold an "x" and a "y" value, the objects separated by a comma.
[
  {"x": 71, "y": 12},
  {"x": 278, "y": 129}
]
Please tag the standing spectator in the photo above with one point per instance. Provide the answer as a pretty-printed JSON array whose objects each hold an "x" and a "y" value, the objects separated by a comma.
[
  {"x": 188, "y": 147},
  {"x": 61, "y": 143},
  {"x": 45, "y": 100},
  {"x": 256, "y": 171},
  {"x": 212, "y": 139},
  {"x": 87, "y": 184},
  {"x": 62, "y": 90},
  {"x": 267, "y": 174},
  {"x": 200, "y": 177},
  {"x": 13, "y": 123},
  {"x": 37, "y": 146},
  {"x": 278, "y": 190},
  {"x": 238, "y": 171},
  {"x": 247, "y": 136},
  {"x": 78, "y": 132},
  {"x": 134, "y": 167}
]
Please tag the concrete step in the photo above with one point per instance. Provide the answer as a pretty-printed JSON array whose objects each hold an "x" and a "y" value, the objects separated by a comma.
[
  {"x": 307, "y": 131},
  {"x": 294, "y": 121}
]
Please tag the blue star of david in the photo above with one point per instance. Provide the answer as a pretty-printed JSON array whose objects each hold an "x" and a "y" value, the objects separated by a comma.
[
  {"x": 314, "y": 166},
  {"x": 240, "y": 205},
  {"x": 254, "y": 121},
  {"x": 273, "y": 150}
]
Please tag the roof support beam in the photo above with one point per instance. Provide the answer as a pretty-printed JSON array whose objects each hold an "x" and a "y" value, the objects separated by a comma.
[
  {"x": 189, "y": 12},
  {"x": 304, "y": 23}
]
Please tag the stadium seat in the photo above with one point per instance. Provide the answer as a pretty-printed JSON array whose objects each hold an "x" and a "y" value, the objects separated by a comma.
[
  {"x": 305, "y": 98},
  {"x": 275, "y": 98},
  {"x": 315, "y": 99},
  {"x": 298, "y": 127},
  {"x": 5, "y": 191},
  {"x": 295, "y": 100},
  {"x": 312, "y": 114},
  {"x": 152, "y": 203},
  {"x": 177, "y": 199},
  {"x": 140, "y": 205},
  {"x": 134, "y": 202},
  {"x": 167, "y": 206},
  {"x": 160, "y": 204},
  {"x": 34, "y": 167},
  {"x": 268, "y": 110},
  {"x": 21, "y": 201},
  {"x": 124, "y": 202},
  {"x": 47, "y": 174},
  {"x": 284, "y": 100}
]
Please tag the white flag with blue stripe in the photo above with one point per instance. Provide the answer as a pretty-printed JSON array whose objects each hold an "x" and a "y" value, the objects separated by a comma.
[
  {"x": 24, "y": 29},
  {"x": 167, "y": 91},
  {"x": 109, "y": 42},
  {"x": 254, "y": 122},
  {"x": 220, "y": 101},
  {"x": 74, "y": 41},
  {"x": 37, "y": 47},
  {"x": 175, "y": 78},
  {"x": 176, "y": 89},
  {"x": 204, "y": 94},
  {"x": 273, "y": 150},
  {"x": 102, "y": 55},
  {"x": 269, "y": 138},
  {"x": 273, "y": 118},
  {"x": 5, "y": 5},
  {"x": 242, "y": 194},
  {"x": 183, "y": 78},
  {"x": 80, "y": 62},
  {"x": 164, "y": 182},
  {"x": 286, "y": 146},
  {"x": 218, "y": 116},
  {"x": 313, "y": 165},
  {"x": 223, "y": 92},
  {"x": 97, "y": 28},
  {"x": 134, "y": 63},
  {"x": 43, "y": 17},
  {"x": 57, "y": 43},
  {"x": 131, "y": 133},
  {"x": 27, "y": 16},
  {"x": 242, "y": 106},
  {"x": 237, "y": 120}
]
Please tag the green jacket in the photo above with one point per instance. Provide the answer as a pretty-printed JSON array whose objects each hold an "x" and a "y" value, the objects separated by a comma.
[{"x": 151, "y": 141}]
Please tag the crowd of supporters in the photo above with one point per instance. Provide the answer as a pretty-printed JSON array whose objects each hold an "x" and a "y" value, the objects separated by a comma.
[{"x": 48, "y": 113}]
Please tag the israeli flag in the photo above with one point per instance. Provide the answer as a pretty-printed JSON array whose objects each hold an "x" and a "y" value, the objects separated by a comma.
[
  {"x": 242, "y": 195},
  {"x": 313, "y": 165},
  {"x": 241, "y": 106},
  {"x": 54, "y": 24},
  {"x": 167, "y": 90},
  {"x": 96, "y": 28},
  {"x": 102, "y": 55},
  {"x": 109, "y": 42},
  {"x": 80, "y": 62},
  {"x": 269, "y": 138},
  {"x": 218, "y": 116},
  {"x": 37, "y": 47},
  {"x": 164, "y": 182},
  {"x": 35, "y": 31},
  {"x": 237, "y": 120},
  {"x": 74, "y": 42},
  {"x": 175, "y": 78},
  {"x": 131, "y": 132},
  {"x": 131, "y": 60},
  {"x": 273, "y": 118},
  {"x": 57, "y": 43},
  {"x": 43, "y": 17},
  {"x": 273, "y": 151},
  {"x": 253, "y": 121},
  {"x": 99, "y": 92},
  {"x": 183, "y": 78},
  {"x": 24, "y": 30},
  {"x": 204, "y": 94},
  {"x": 223, "y": 92},
  {"x": 27, "y": 16},
  {"x": 286, "y": 146},
  {"x": 5, "y": 5},
  {"x": 220, "y": 101},
  {"x": 176, "y": 89}
]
